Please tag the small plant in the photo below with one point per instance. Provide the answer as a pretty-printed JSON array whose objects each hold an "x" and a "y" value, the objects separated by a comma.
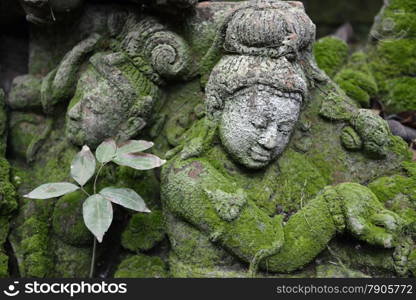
[{"x": 97, "y": 209}]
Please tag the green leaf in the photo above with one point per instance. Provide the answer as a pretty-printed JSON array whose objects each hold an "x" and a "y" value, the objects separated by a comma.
[
  {"x": 125, "y": 197},
  {"x": 98, "y": 215},
  {"x": 83, "y": 166},
  {"x": 106, "y": 151},
  {"x": 52, "y": 190},
  {"x": 139, "y": 161},
  {"x": 133, "y": 146}
]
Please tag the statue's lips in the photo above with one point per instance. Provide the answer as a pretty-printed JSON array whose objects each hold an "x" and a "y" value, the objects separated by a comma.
[{"x": 260, "y": 155}]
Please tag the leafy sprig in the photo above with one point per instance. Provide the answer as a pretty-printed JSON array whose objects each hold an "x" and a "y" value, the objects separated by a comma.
[{"x": 97, "y": 209}]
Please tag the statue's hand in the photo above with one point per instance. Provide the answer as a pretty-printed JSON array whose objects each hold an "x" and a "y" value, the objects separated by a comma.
[
  {"x": 373, "y": 131},
  {"x": 366, "y": 218}
]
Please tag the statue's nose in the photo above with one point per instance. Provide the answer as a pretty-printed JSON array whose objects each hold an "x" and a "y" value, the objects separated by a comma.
[
  {"x": 75, "y": 112},
  {"x": 269, "y": 138}
]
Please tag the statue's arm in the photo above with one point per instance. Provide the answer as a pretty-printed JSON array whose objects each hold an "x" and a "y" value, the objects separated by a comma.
[
  {"x": 197, "y": 193},
  {"x": 30, "y": 91},
  {"x": 60, "y": 83},
  {"x": 347, "y": 207}
]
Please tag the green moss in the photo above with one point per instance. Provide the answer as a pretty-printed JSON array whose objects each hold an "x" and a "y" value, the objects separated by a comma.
[
  {"x": 53, "y": 164},
  {"x": 400, "y": 148},
  {"x": 412, "y": 263},
  {"x": 253, "y": 232},
  {"x": 357, "y": 80},
  {"x": 4, "y": 259},
  {"x": 375, "y": 261},
  {"x": 25, "y": 129},
  {"x": 143, "y": 231},
  {"x": 37, "y": 261},
  {"x": 374, "y": 132},
  {"x": 8, "y": 197},
  {"x": 386, "y": 188},
  {"x": 410, "y": 167},
  {"x": 393, "y": 58},
  {"x": 300, "y": 179},
  {"x": 144, "y": 183},
  {"x": 398, "y": 194},
  {"x": 141, "y": 266},
  {"x": 393, "y": 63},
  {"x": 71, "y": 262},
  {"x": 331, "y": 54},
  {"x": 336, "y": 271},
  {"x": 67, "y": 221},
  {"x": 401, "y": 95},
  {"x": 3, "y": 124},
  {"x": 4, "y": 268},
  {"x": 403, "y": 13},
  {"x": 292, "y": 182},
  {"x": 357, "y": 85},
  {"x": 334, "y": 105},
  {"x": 179, "y": 111},
  {"x": 350, "y": 139}
]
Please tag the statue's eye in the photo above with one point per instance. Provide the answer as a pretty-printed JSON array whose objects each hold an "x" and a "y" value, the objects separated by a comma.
[
  {"x": 93, "y": 107},
  {"x": 259, "y": 123},
  {"x": 284, "y": 129}
]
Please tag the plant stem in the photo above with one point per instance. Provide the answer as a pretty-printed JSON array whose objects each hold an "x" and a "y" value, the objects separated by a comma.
[
  {"x": 86, "y": 193},
  {"x": 93, "y": 258},
  {"x": 95, "y": 240},
  {"x": 96, "y": 178}
]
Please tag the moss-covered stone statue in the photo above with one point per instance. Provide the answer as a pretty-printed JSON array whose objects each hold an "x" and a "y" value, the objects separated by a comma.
[
  {"x": 118, "y": 86},
  {"x": 106, "y": 84},
  {"x": 278, "y": 166}
]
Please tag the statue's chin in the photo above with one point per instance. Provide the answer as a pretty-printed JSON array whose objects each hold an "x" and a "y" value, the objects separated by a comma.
[
  {"x": 253, "y": 164},
  {"x": 75, "y": 135}
]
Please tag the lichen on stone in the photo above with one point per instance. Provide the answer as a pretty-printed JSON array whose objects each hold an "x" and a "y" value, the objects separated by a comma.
[
  {"x": 141, "y": 266},
  {"x": 143, "y": 231}
]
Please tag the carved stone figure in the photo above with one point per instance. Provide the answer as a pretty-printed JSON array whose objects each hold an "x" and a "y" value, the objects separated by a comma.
[
  {"x": 49, "y": 11},
  {"x": 118, "y": 89},
  {"x": 224, "y": 189},
  {"x": 273, "y": 168},
  {"x": 117, "y": 62}
]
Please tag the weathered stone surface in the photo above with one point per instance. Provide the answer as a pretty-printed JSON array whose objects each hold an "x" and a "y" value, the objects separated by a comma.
[
  {"x": 218, "y": 157},
  {"x": 274, "y": 169}
]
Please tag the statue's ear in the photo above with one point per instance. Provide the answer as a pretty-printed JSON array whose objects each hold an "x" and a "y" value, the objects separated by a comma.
[
  {"x": 130, "y": 128},
  {"x": 137, "y": 117}
]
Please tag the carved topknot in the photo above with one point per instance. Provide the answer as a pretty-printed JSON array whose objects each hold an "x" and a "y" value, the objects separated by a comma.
[{"x": 268, "y": 28}]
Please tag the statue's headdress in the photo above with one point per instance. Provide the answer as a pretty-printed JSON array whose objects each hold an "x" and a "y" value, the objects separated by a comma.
[{"x": 267, "y": 28}]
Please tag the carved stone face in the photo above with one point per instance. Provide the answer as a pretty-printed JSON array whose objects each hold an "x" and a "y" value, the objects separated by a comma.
[
  {"x": 108, "y": 102},
  {"x": 49, "y": 11},
  {"x": 98, "y": 110},
  {"x": 257, "y": 123}
]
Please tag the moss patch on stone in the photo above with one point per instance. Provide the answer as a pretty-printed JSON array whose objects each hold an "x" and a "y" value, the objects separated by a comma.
[
  {"x": 71, "y": 262},
  {"x": 8, "y": 196},
  {"x": 393, "y": 57},
  {"x": 141, "y": 266},
  {"x": 67, "y": 220},
  {"x": 34, "y": 249},
  {"x": 143, "y": 231},
  {"x": 331, "y": 54}
]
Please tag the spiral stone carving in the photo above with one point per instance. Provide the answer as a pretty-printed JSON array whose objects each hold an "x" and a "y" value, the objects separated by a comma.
[
  {"x": 169, "y": 54},
  {"x": 164, "y": 51}
]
